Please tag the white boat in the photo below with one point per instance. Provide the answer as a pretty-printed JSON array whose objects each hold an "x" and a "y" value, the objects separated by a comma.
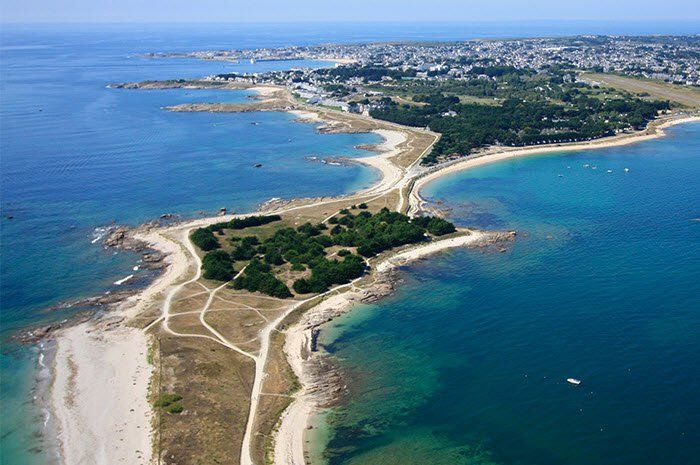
[
  {"x": 627, "y": 170},
  {"x": 573, "y": 381}
]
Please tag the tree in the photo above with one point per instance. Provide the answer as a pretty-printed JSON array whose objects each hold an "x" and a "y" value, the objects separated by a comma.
[
  {"x": 257, "y": 277},
  {"x": 204, "y": 239},
  {"x": 217, "y": 265}
]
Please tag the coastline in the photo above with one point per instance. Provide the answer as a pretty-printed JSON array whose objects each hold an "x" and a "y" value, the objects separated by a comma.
[
  {"x": 650, "y": 133},
  {"x": 108, "y": 352},
  {"x": 291, "y": 434}
]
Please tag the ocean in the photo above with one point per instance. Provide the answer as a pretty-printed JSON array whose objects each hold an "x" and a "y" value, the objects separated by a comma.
[
  {"x": 467, "y": 363},
  {"x": 76, "y": 156}
]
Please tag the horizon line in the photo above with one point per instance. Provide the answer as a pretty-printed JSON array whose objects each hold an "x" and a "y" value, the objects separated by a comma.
[{"x": 350, "y": 21}]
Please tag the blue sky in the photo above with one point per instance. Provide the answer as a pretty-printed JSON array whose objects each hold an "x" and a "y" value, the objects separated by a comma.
[{"x": 345, "y": 10}]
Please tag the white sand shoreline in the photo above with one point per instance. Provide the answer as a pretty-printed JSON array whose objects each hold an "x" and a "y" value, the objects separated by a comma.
[
  {"x": 103, "y": 353},
  {"x": 418, "y": 202},
  {"x": 100, "y": 370},
  {"x": 290, "y": 437}
]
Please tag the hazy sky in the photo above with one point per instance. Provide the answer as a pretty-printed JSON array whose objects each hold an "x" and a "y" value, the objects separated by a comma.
[{"x": 345, "y": 10}]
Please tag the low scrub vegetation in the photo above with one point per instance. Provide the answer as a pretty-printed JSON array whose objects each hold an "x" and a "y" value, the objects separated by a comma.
[
  {"x": 170, "y": 403},
  {"x": 303, "y": 252}
]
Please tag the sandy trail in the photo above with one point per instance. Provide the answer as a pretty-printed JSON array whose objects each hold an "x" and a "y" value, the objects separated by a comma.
[
  {"x": 289, "y": 440},
  {"x": 108, "y": 426}
]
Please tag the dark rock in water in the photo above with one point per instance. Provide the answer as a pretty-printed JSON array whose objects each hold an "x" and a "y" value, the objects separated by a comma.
[
  {"x": 9, "y": 217},
  {"x": 314, "y": 339},
  {"x": 120, "y": 237},
  {"x": 116, "y": 237},
  {"x": 258, "y": 165},
  {"x": 42, "y": 332},
  {"x": 153, "y": 261}
]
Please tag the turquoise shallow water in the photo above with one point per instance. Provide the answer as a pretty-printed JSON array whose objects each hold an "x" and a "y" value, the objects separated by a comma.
[{"x": 467, "y": 363}]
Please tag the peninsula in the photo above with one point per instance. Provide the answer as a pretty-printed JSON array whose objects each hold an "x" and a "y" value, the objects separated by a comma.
[{"x": 216, "y": 361}]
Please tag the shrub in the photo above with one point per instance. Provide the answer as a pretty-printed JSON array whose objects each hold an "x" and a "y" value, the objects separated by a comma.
[
  {"x": 175, "y": 408},
  {"x": 166, "y": 399},
  {"x": 247, "y": 222},
  {"x": 435, "y": 226},
  {"x": 257, "y": 277},
  {"x": 217, "y": 265},
  {"x": 326, "y": 273},
  {"x": 324, "y": 241},
  {"x": 440, "y": 227},
  {"x": 274, "y": 258},
  {"x": 204, "y": 239},
  {"x": 246, "y": 249}
]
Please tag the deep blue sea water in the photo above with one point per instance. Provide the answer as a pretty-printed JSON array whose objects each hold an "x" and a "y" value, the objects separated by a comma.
[
  {"x": 467, "y": 363},
  {"x": 75, "y": 155}
]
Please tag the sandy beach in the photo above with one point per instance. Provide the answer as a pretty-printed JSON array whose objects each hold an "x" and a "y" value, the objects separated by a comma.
[
  {"x": 290, "y": 437},
  {"x": 115, "y": 355},
  {"x": 101, "y": 372},
  {"x": 99, "y": 395},
  {"x": 417, "y": 202},
  {"x": 391, "y": 174}
]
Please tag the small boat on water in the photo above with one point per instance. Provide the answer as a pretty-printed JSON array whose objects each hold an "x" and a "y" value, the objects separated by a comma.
[
  {"x": 627, "y": 170},
  {"x": 573, "y": 381}
]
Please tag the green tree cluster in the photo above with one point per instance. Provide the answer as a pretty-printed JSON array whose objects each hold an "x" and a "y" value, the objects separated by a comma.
[
  {"x": 258, "y": 277},
  {"x": 204, "y": 239},
  {"x": 247, "y": 222},
  {"x": 372, "y": 234},
  {"x": 519, "y": 122},
  {"x": 325, "y": 273},
  {"x": 217, "y": 265},
  {"x": 435, "y": 226},
  {"x": 305, "y": 247}
]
